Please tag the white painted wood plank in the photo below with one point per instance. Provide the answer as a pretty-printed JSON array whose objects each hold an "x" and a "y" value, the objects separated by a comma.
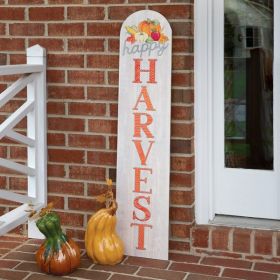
[
  {"x": 144, "y": 151},
  {"x": 17, "y": 86},
  {"x": 20, "y": 69},
  {"x": 21, "y": 138},
  {"x": 37, "y": 129},
  {"x": 9, "y": 195},
  {"x": 16, "y": 217},
  {"x": 17, "y": 167},
  {"x": 15, "y": 118}
]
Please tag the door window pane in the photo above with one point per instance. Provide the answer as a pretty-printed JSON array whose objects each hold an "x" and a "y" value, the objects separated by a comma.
[{"x": 248, "y": 83}]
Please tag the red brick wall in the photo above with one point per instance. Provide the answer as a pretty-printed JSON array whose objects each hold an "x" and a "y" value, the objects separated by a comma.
[{"x": 81, "y": 38}]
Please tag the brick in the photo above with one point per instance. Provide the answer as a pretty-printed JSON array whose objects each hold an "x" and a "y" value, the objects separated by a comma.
[
  {"x": 241, "y": 240},
  {"x": 174, "y": 11},
  {"x": 96, "y": 189},
  {"x": 181, "y": 214},
  {"x": 71, "y": 219},
  {"x": 65, "y": 60},
  {"x": 11, "y": 44},
  {"x": 127, "y": 269},
  {"x": 36, "y": 276},
  {"x": 183, "y": 96},
  {"x": 182, "y": 45},
  {"x": 8, "y": 263},
  {"x": 50, "y": 44},
  {"x": 182, "y": 163},
  {"x": 113, "y": 45},
  {"x": 73, "y": 188},
  {"x": 7, "y": 13},
  {"x": 102, "y": 93},
  {"x": 102, "y": 158},
  {"x": 33, "y": 267},
  {"x": 184, "y": 258},
  {"x": 182, "y": 130},
  {"x": 108, "y": 29},
  {"x": 122, "y": 12},
  {"x": 86, "y": 45},
  {"x": 87, "y": 109},
  {"x": 195, "y": 268},
  {"x": 203, "y": 277},
  {"x": 54, "y": 2},
  {"x": 182, "y": 197},
  {"x": 46, "y": 14},
  {"x": 58, "y": 201},
  {"x": 56, "y": 170},
  {"x": 146, "y": 262},
  {"x": 126, "y": 277},
  {"x": 65, "y": 92},
  {"x": 67, "y": 124},
  {"x": 82, "y": 204},
  {"x": 113, "y": 108},
  {"x": 28, "y": 249},
  {"x": 181, "y": 146},
  {"x": 8, "y": 244},
  {"x": 11, "y": 106},
  {"x": 248, "y": 275},
  {"x": 220, "y": 238},
  {"x": 16, "y": 183},
  {"x": 27, "y": 29},
  {"x": 182, "y": 62},
  {"x": 66, "y": 29},
  {"x": 85, "y": 13},
  {"x": 106, "y": 1},
  {"x": 57, "y": 108},
  {"x": 3, "y": 59},
  {"x": 182, "y": 28},
  {"x": 13, "y": 275},
  {"x": 85, "y": 77},
  {"x": 268, "y": 267},
  {"x": 17, "y": 58},
  {"x": 113, "y": 143},
  {"x": 181, "y": 180},
  {"x": 182, "y": 79},
  {"x": 161, "y": 274},
  {"x": 87, "y": 173},
  {"x": 113, "y": 78},
  {"x": 226, "y": 262},
  {"x": 66, "y": 156},
  {"x": 263, "y": 242},
  {"x": 55, "y": 76},
  {"x": 2, "y": 28},
  {"x": 18, "y": 153},
  {"x": 25, "y": 2},
  {"x": 56, "y": 139},
  {"x": 183, "y": 246},
  {"x": 20, "y": 256},
  {"x": 103, "y": 61},
  {"x": 200, "y": 237},
  {"x": 87, "y": 141},
  {"x": 103, "y": 126},
  {"x": 145, "y": 2},
  {"x": 182, "y": 113}
]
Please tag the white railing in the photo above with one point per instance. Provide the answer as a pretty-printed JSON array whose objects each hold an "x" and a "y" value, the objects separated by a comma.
[{"x": 34, "y": 78}]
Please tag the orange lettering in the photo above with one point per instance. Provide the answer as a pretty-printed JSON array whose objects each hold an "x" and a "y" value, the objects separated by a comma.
[
  {"x": 143, "y": 157},
  {"x": 138, "y": 179},
  {"x": 146, "y": 99},
  {"x": 151, "y": 71},
  {"x": 142, "y": 208},
  {"x": 141, "y": 235},
  {"x": 138, "y": 126}
]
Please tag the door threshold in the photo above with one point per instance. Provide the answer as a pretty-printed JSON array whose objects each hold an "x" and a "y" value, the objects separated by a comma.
[{"x": 245, "y": 222}]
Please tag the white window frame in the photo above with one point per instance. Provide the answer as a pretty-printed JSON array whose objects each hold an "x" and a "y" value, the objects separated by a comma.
[
  {"x": 203, "y": 79},
  {"x": 204, "y": 53}
]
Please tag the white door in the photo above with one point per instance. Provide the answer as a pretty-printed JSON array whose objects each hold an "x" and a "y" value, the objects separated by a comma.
[{"x": 246, "y": 108}]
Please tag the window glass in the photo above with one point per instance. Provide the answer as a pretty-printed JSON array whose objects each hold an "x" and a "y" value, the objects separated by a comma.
[{"x": 248, "y": 83}]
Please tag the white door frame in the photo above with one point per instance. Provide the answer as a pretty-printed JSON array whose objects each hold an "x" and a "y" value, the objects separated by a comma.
[{"x": 204, "y": 96}]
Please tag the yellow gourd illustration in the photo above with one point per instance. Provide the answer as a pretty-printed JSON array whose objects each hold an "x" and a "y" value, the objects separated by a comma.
[{"x": 102, "y": 243}]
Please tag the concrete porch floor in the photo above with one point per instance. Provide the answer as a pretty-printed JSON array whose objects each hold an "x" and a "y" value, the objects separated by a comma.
[{"x": 17, "y": 263}]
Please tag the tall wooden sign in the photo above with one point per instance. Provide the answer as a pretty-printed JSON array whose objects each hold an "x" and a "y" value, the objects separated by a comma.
[{"x": 144, "y": 134}]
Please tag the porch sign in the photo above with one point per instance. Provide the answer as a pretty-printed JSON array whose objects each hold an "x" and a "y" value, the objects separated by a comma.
[{"x": 144, "y": 134}]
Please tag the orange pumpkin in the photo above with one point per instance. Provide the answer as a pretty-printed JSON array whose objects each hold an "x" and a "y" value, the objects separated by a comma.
[
  {"x": 149, "y": 26},
  {"x": 58, "y": 255}
]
